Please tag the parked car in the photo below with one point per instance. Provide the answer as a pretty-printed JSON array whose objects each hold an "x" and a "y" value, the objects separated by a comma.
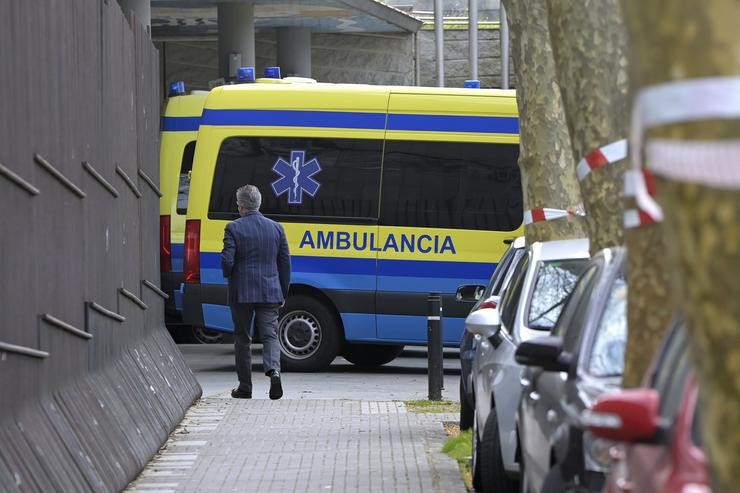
[
  {"x": 566, "y": 372},
  {"x": 530, "y": 307},
  {"x": 487, "y": 297},
  {"x": 658, "y": 425}
]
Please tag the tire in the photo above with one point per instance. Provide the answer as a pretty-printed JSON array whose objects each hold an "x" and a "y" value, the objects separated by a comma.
[
  {"x": 494, "y": 477},
  {"x": 197, "y": 334},
  {"x": 309, "y": 334},
  {"x": 475, "y": 446},
  {"x": 466, "y": 410},
  {"x": 553, "y": 482},
  {"x": 371, "y": 355}
]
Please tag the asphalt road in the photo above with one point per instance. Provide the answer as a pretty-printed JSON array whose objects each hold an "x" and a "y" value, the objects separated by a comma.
[{"x": 404, "y": 378}]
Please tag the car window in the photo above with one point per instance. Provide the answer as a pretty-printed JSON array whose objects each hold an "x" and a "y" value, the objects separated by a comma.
[
  {"x": 513, "y": 293},
  {"x": 671, "y": 371},
  {"x": 575, "y": 304},
  {"x": 607, "y": 355},
  {"x": 494, "y": 285},
  {"x": 554, "y": 281},
  {"x": 696, "y": 435}
]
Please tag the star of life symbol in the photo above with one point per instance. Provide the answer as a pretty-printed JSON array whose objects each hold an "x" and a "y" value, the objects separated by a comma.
[{"x": 296, "y": 177}]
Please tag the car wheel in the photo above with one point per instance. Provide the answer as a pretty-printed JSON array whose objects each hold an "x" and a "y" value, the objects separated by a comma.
[
  {"x": 466, "y": 410},
  {"x": 494, "y": 477},
  {"x": 475, "y": 445},
  {"x": 371, "y": 354},
  {"x": 309, "y": 334},
  {"x": 198, "y": 334}
]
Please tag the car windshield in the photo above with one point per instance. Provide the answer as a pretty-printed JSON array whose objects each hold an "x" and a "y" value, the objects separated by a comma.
[
  {"x": 554, "y": 282},
  {"x": 607, "y": 355}
]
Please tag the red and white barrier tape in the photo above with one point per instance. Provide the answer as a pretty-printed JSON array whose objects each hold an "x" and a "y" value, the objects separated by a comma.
[
  {"x": 633, "y": 180},
  {"x": 681, "y": 101},
  {"x": 540, "y": 214},
  {"x": 608, "y": 154},
  {"x": 712, "y": 163}
]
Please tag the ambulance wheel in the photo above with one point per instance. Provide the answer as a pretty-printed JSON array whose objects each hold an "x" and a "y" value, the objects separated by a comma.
[
  {"x": 309, "y": 334},
  {"x": 371, "y": 354},
  {"x": 197, "y": 334}
]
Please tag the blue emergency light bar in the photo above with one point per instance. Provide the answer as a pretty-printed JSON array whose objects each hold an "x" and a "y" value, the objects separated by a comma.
[
  {"x": 472, "y": 84},
  {"x": 245, "y": 74},
  {"x": 272, "y": 72},
  {"x": 177, "y": 88}
]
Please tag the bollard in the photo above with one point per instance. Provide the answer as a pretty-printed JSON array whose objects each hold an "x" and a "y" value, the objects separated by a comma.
[{"x": 434, "y": 346}]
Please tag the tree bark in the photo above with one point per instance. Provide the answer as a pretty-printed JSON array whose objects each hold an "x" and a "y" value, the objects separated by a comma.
[
  {"x": 687, "y": 40},
  {"x": 589, "y": 44},
  {"x": 545, "y": 157}
]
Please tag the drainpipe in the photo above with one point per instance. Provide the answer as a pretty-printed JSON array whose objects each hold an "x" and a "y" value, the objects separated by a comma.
[
  {"x": 473, "y": 37},
  {"x": 439, "y": 42},
  {"x": 504, "y": 44}
]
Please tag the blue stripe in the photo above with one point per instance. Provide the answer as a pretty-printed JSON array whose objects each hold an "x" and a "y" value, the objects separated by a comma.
[
  {"x": 360, "y": 273},
  {"x": 177, "y": 256},
  {"x": 372, "y": 121},
  {"x": 423, "y": 268},
  {"x": 180, "y": 123},
  {"x": 412, "y": 329},
  {"x": 294, "y": 118},
  {"x": 454, "y": 123}
]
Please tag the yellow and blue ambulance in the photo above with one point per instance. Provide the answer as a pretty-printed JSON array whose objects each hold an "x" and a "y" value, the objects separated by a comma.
[
  {"x": 179, "y": 130},
  {"x": 387, "y": 194}
]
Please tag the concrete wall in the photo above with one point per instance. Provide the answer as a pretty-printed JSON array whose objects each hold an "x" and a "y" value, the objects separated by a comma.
[
  {"x": 457, "y": 61},
  {"x": 350, "y": 58},
  {"x": 91, "y": 382}
]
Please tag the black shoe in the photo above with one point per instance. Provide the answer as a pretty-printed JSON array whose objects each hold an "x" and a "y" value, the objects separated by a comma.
[
  {"x": 240, "y": 394},
  {"x": 276, "y": 388}
]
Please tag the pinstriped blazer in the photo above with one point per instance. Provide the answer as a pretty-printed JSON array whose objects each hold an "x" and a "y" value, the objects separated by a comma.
[{"x": 255, "y": 260}]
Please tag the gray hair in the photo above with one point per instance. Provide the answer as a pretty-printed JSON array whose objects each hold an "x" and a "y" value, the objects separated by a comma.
[{"x": 249, "y": 197}]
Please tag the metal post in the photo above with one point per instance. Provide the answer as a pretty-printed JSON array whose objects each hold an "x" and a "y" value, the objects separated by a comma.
[
  {"x": 434, "y": 346},
  {"x": 439, "y": 41},
  {"x": 503, "y": 32},
  {"x": 473, "y": 37}
]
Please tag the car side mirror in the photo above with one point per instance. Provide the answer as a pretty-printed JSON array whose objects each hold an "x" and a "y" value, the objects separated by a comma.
[
  {"x": 544, "y": 352},
  {"x": 485, "y": 323},
  {"x": 625, "y": 416},
  {"x": 470, "y": 293}
]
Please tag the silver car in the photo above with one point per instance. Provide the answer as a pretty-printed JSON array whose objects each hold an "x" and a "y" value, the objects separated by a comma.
[{"x": 530, "y": 308}]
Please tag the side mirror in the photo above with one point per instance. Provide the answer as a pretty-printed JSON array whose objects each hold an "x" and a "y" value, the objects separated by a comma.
[
  {"x": 545, "y": 352},
  {"x": 485, "y": 323},
  {"x": 469, "y": 293},
  {"x": 625, "y": 416}
]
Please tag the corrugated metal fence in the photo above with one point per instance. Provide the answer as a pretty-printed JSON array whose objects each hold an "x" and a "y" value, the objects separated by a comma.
[{"x": 90, "y": 382}]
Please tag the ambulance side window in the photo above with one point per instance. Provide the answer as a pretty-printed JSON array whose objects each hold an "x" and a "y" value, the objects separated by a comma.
[
  {"x": 336, "y": 179},
  {"x": 451, "y": 185},
  {"x": 183, "y": 188}
]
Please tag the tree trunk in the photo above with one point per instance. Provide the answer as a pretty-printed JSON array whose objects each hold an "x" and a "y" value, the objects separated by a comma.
[
  {"x": 689, "y": 40},
  {"x": 545, "y": 158},
  {"x": 590, "y": 49}
]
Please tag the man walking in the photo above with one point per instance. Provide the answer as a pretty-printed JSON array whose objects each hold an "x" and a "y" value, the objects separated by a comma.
[{"x": 256, "y": 261}]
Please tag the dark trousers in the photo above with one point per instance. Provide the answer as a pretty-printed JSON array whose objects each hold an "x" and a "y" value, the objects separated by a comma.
[{"x": 266, "y": 323}]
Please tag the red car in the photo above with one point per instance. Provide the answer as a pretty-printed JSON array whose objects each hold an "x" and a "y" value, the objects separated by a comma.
[{"x": 657, "y": 425}]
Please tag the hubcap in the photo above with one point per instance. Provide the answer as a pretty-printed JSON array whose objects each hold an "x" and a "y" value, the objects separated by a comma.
[
  {"x": 207, "y": 336},
  {"x": 300, "y": 334}
]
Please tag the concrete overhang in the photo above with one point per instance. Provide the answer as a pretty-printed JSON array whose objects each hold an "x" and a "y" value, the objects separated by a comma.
[{"x": 188, "y": 18}]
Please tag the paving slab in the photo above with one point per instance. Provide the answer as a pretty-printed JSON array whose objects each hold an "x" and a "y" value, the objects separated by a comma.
[{"x": 302, "y": 445}]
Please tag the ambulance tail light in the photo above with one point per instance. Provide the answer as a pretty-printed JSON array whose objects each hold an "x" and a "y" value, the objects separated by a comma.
[
  {"x": 192, "y": 251},
  {"x": 165, "y": 244}
]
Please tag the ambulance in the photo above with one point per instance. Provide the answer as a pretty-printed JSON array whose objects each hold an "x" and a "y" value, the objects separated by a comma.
[{"x": 386, "y": 194}]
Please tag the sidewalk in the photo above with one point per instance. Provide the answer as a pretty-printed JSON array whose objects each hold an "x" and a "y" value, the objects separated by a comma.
[{"x": 259, "y": 445}]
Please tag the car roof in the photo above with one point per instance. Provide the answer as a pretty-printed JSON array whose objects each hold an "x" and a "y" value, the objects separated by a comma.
[{"x": 559, "y": 249}]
